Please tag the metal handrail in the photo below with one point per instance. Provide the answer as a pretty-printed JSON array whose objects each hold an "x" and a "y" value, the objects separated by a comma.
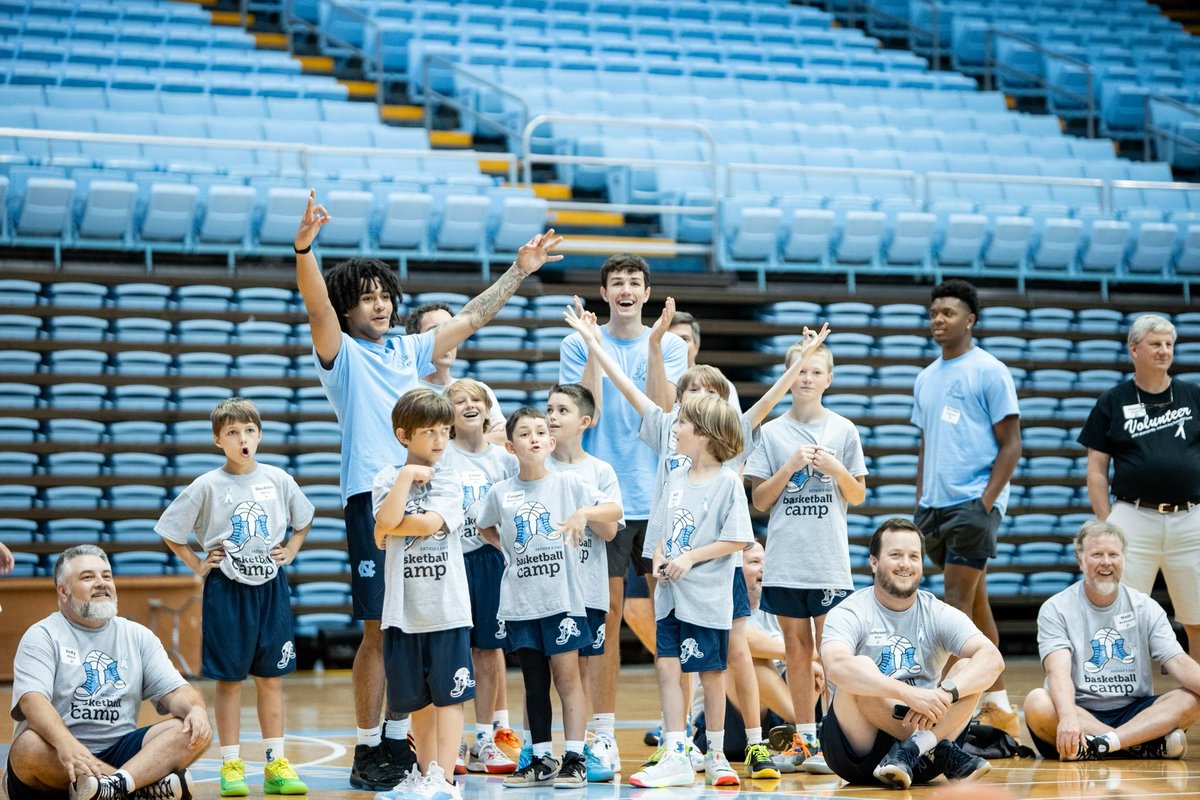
[
  {"x": 528, "y": 158},
  {"x": 302, "y": 151},
  {"x": 1149, "y": 129},
  {"x": 992, "y": 66},
  {"x": 431, "y": 95}
]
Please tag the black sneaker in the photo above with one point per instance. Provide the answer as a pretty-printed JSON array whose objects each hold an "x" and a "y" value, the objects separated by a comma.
[
  {"x": 779, "y": 738},
  {"x": 897, "y": 768},
  {"x": 957, "y": 764},
  {"x": 573, "y": 773},
  {"x": 1094, "y": 748},
  {"x": 1173, "y": 745},
  {"x": 542, "y": 771},
  {"x": 401, "y": 753},
  {"x": 372, "y": 771}
]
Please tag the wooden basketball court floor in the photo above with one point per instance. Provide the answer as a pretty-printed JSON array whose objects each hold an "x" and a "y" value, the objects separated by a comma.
[{"x": 320, "y": 741}]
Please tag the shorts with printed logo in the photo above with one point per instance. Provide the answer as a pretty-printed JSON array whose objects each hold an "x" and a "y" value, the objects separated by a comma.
[
  {"x": 596, "y": 621},
  {"x": 1112, "y": 718},
  {"x": 550, "y": 635},
  {"x": 246, "y": 630},
  {"x": 801, "y": 603},
  {"x": 963, "y": 534},
  {"x": 741, "y": 597},
  {"x": 366, "y": 560},
  {"x": 115, "y": 755},
  {"x": 485, "y": 567},
  {"x": 432, "y": 668},
  {"x": 698, "y": 649},
  {"x": 626, "y": 548}
]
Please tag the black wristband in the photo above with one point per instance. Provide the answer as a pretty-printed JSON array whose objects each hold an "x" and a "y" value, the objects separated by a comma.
[{"x": 302, "y": 252}]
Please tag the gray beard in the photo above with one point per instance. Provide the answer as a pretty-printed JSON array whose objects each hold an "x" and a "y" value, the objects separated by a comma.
[
  {"x": 1106, "y": 587},
  {"x": 102, "y": 609}
]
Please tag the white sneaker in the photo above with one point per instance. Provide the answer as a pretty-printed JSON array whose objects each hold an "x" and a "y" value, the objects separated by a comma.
[
  {"x": 696, "y": 757},
  {"x": 460, "y": 766},
  {"x": 406, "y": 789},
  {"x": 604, "y": 747},
  {"x": 673, "y": 769},
  {"x": 717, "y": 771},
  {"x": 485, "y": 756},
  {"x": 815, "y": 765},
  {"x": 434, "y": 785}
]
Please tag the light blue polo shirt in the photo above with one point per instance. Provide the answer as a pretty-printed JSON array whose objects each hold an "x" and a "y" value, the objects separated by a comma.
[
  {"x": 955, "y": 404},
  {"x": 363, "y": 384}
]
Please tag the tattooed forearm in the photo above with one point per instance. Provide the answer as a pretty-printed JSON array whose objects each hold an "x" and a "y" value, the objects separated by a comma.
[{"x": 485, "y": 305}]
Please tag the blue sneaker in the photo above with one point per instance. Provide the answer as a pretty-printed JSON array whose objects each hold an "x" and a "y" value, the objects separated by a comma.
[
  {"x": 526, "y": 757},
  {"x": 597, "y": 771}
]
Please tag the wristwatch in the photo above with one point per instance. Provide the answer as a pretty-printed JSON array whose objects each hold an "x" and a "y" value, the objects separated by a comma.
[{"x": 951, "y": 687}]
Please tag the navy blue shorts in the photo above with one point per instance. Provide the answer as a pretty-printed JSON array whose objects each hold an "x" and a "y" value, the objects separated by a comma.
[
  {"x": 636, "y": 585},
  {"x": 485, "y": 567},
  {"x": 859, "y": 768},
  {"x": 801, "y": 603},
  {"x": 596, "y": 621},
  {"x": 698, "y": 649},
  {"x": 115, "y": 755},
  {"x": 741, "y": 597},
  {"x": 366, "y": 560},
  {"x": 246, "y": 630},
  {"x": 551, "y": 635},
  {"x": 427, "y": 668},
  {"x": 1113, "y": 718}
]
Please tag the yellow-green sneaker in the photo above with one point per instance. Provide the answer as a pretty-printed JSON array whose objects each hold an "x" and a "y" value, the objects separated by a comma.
[
  {"x": 280, "y": 778},
  {"x": 233, "y": 779}
]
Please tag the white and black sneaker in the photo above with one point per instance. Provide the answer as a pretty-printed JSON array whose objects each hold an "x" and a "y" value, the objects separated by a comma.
[
  {"x": 176, "y": 786},
  {"x": 897, "y": 768},
  {"x": 106, "y": 787},
  {"x": 573, "y": 774},
  {"x": 541, "y": 771}
]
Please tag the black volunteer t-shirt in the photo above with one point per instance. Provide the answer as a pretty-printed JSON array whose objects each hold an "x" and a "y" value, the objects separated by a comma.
[{"x": 1154, "y": 443}]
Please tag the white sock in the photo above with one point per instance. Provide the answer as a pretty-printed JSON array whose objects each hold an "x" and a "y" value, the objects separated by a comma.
[
  {"x": 370, "y": 736},
  {"x": 605, "y": 723},
  {"x": 924, "y": 740},
  {"x": 754, "y": 735},
  {"x": 674, "y": 741},
  {"x": 573, "y": 746},
  {"x": 273, "y": 748},
  {"x": 716, "y": 741},
  {"x": 501, "y": 720},
  {"x": 125, "y": 776},
  {"x": 230, "y": 752},
  {"x": 483, "y": 731},
  {"x": 1114, "y": 743},
  {"x": 527, "y": 738},
  {"x": 397, "y": 728},
  {"x": 541, "y": 748},
  {"x": 998, "y": 699},
  {"x": 809, "y": 728}
]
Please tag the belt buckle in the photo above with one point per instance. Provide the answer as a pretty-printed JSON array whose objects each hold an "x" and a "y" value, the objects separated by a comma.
[{"x": 1165, "y": 508}]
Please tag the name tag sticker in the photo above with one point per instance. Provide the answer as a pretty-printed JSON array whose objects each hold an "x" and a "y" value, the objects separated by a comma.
[
  {"x": 675, "y": 498},
  {"x": 1125, "y": 621},
  {"x": 1134, "y": 411},
  {"x": 877, "y": 639},
  {"x": 70, "y": 655},
  {"x": 950, "y": 414},
  {"x": 263, "y": 491},
  {"x": 514, "y": 498}
]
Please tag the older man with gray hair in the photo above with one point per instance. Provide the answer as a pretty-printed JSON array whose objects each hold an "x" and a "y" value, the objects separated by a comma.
[
  {"x": 1148, "y": 428},
  {"x": 80, "y": 676},
  {"x": 1096, "y": 639}
]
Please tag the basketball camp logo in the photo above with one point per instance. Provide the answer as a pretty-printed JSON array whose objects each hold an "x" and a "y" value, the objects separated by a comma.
[
  {"x": 248, "y": 546},
  {"x": 1107, "y": 645},
  {"x": 416, "y": 505},
  {"x": 532, "y": 519},
  {"x": 462, "y": 682},
  {"x": 802, "y": 476},
  {"x": 568, "y": 629},
  {"x": 683, "y": 527},
  {"x": 689, "y": 648},
  {"x": 898, "y": 657},
  {"x": 99, "y": 669}
]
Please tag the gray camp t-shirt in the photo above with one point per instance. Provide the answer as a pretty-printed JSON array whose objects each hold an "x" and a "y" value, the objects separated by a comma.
[
  {"x": 692, "y": 516},
  {"x": 541, "y": 576},
  {"x": 96, "y": 678},
  {"x": 425, "y": 580},
  {"x": 911, "y": 646},
  {"x": 1111, "y": 648},
  {"x": 478, "y": 472},
  {"x": 593, "y": 553},
  {"x": 246, "y": 515},
  {"x": 657, "y": 431},
  {"x": 807, "y": 538}
]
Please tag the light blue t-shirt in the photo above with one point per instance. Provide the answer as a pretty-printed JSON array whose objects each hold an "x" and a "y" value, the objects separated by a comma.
[
  {"x": 362, "y": 385},
  {"x": 955, "y": 404},
  {"x": 615, "y": 438}
]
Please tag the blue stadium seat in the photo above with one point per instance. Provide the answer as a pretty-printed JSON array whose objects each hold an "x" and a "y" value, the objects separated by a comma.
[
  {"x": 72, "y": 497},
  {"x": 323, "y": 496},
  {"x": 17, "y": 430},
  {"x": 204, "y": 331},
  {"x": 76, "y": 396},
  {"x": 17, "y": 292},
  {"x": 137, "y": 496},
  {"x": 65, "y": 430},
  {"x": 19, "y": 395},
  {"x": 73, "y": 463},
  {"x": 141, "y": 329},
  {"x": 316, "y": 465},
  {"x": 141, "y": 397},
  {"x": 76, "y": 294},
  {"x": 77, "y": 362},
  {"x": 141, "y": 295},
  {"x": 78, "y": 328},
  {"x": 204, "y": 364},
  {"x": 204, "y": 297},
  {"x": 142, "y": 362},
  {"x": 893, "y": 376},
  {"x": 67, "y": 532},
  {"x": 139, "y": 464}
]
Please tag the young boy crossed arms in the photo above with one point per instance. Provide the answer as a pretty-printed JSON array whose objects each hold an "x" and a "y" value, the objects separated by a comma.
[
  {"x": 539, "y": 518},
  {"x": 240, "y": 513},
  {"x": 426, "y": 607}
]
